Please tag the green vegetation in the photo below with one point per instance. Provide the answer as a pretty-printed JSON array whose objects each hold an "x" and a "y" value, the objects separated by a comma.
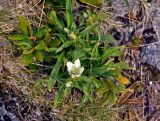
[
  {"x": 33, "y": 44},
  {"x": 82, "y": 57}
]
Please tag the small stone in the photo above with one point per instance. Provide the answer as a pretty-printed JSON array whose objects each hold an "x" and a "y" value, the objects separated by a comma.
[
  {"x": 150, "y": 83},
  {"x": 38, "y": 112}
]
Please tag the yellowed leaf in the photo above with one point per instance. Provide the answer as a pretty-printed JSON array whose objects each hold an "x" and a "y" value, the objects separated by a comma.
[{"x": 123, "y": 79}]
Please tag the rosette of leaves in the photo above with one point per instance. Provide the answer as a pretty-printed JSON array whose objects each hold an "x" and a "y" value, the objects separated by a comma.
[
  {"x": 79, "y": 38},
  {"x": 32, "y": 43}
]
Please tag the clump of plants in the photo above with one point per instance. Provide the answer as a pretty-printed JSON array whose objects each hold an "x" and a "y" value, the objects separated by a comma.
[{"x": 83, "y": 58}]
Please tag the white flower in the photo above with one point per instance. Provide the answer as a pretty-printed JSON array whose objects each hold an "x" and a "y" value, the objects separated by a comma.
[
  {"x": 68, "y": 84},
  {"x": 75, "y": 69}
]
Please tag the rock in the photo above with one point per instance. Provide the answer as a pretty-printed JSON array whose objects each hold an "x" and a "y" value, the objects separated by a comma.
[
  {"x": 6, "y": 115},
  {"x": 150, "y": 22},
  {"x": 121, "y": 8},
  {"x": 2, "y": 109},
  {"x": 150, "y": 54}
]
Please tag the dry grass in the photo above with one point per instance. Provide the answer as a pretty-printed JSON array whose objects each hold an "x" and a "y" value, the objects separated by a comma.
[
  {"x": 10, "y": 66},
  {"x": 33, "y": 10},
  {"x": 95, "y": 113},
  {"x": 14, "y": 76}
]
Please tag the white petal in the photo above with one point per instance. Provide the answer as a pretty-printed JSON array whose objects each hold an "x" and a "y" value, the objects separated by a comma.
[
  {"x": 77, "y": 75},
  {"x": 69, "y": 66},
  {"x": 77, "y": 63},
  {"x": 73, "y": 76},
  {"x": 68, "y": 84},
  {"x": 81, "y": 71}
]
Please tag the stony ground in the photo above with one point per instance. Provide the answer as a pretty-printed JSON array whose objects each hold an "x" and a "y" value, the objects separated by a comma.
[{"x": 140, "y": 31}]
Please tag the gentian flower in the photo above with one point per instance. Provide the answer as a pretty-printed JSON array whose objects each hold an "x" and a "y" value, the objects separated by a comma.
[{"x": 75, "y": 69}]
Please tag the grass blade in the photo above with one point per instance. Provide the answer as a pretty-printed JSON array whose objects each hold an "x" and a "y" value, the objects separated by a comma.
[
  {"x": 69, "y": 15},
  {"x": 54, "y": 74},
  {"x": 58, "y": 97}
]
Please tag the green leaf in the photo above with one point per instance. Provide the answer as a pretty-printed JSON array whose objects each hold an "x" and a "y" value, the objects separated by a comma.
[
  {"x": 112, "y": 97},
  {"x": 28, "y": 50},
  {"x": 18, "y": 37},
  {"x": 52, "y": 49},
  {"x": 55, "y": 71},
  {"x": 112, "y": 51},
  {"x": 96, "y": 82},
  {"x": 52, "y": 17},
  {"x": 104, "y": 38},
  {"x": 78, "y": 54},
  {"x": 69, "y": 15},
  {"x": 101, "y": 70},
  {"x": 105, "y": 86},
  {"x": 121, "y": 65},
  {"x": 38, "y": 55},
  {"x": 42, "y": 32},
  {"x": 53, "y": 20},
  {"x": 95, "y": 51},
  {"x": 106, "y": 92},
  {"x": 55, "y": 43},
  {"x": 67, "y": 92},
  {"x": 25, "y": 42},
  {"x": 24, "y": 25},
  {"x": 92, "y": 2},
  {"x": 108, "y": 97},
  {"x": 33, "y": 67},
  {"x": 65, "y": 45},
  {"x": 104, "y": 71},
  {"x": 27, "y": 59},
  {"x": 40, "y": 46},
  {"x": 87, "y": 30},
  {"x": 58, "y": 98},
  {"x": 88, "y": 91},
  {"x": 47, "y": 37}
]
